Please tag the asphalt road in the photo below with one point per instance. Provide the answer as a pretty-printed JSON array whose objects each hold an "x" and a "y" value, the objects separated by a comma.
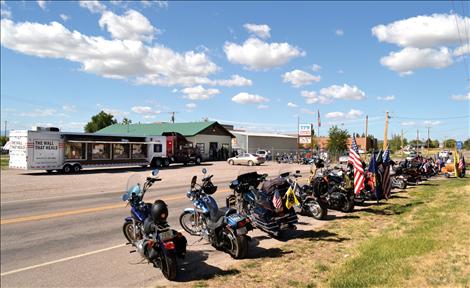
[{"x": 75, "y": 239}]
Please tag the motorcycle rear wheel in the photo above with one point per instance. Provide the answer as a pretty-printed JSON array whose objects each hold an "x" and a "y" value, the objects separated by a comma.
[
  {"x": 348, "y": 206},
  {"x": 238, "y": 245},
  {"x": 187, "y": 221},
  {"x": 169, "y": 266},
  {"x": 315, "y": 210}
]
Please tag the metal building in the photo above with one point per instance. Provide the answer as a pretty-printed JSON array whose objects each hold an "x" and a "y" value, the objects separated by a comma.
[{"x": 252, "y": 141}]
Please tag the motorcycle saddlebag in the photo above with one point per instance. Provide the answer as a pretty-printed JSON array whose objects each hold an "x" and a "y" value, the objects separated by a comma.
[{"x": 281, "y": 184}]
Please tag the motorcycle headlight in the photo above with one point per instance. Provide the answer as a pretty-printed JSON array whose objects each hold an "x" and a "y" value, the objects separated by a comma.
[{"x": 189, "y": 194}]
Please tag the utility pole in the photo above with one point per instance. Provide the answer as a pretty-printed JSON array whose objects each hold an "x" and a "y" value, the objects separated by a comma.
[
  {"x": 367, "y": 124},
  {"x": 298, "y": 124},
  {"x": 429, "y": 139},
  {"x": 386, "y": 132},
  {"x": 417, "y": 139},
  {"x": 401, "y": 153},
  {"x": 172, "y": 116},
  {"x": 5, "y": 131}
]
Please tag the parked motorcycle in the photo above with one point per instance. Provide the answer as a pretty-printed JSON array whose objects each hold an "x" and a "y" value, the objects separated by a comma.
[
  {"x": 147, "y": 229},
  {"x": 331, "y": 190},
  {"x": 224, "y": 228},
  {"x": 266, "y": 211}
]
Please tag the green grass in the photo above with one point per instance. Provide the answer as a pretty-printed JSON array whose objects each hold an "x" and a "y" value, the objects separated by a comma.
[
  {"x": 392, "y": 259},
  {"x": 4, "y": 161}
]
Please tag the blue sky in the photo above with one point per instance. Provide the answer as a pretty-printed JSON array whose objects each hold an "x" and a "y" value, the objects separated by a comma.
[{"x": 257, "y": 65}]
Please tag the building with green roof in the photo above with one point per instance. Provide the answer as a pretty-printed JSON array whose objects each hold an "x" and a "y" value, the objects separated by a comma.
[{"x": 212, "y": 139}]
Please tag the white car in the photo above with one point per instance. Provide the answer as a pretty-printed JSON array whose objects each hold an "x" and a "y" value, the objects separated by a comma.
[
  {"x": 411, "y": 155},
  {"x": 262, "y": 153},
  {"x": 246, "y": 159}
]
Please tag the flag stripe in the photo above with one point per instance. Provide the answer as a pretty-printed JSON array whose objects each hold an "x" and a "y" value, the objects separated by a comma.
[{"x": 355, "y": 160}]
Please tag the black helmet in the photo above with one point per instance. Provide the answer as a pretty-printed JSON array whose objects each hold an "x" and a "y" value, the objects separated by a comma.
[
  {"x": 319, "y": 163},
  {"x": 159, "y": 211}
]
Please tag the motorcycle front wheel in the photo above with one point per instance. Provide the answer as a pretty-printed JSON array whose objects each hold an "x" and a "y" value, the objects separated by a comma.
[
  {"x": 169, "y": 266},
  {"x": 129, "y": 233},
  {"x": 188, "y": 222},
  {"x": 237, "y": 246}
]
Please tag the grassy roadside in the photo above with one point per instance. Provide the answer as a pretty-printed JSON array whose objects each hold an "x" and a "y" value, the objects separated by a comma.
[
  {"x": 420, "y": 238},
  {"x": 4, "y": 161}
]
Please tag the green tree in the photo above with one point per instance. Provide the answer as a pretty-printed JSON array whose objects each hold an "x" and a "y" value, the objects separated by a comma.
[
  {"x": 395, "y": 143},
  {"x": 337, "y": 140},
  {"x": 3, "y": 140},
  {"x": 100, "y": 121},
  {"x": 126, "y": 121},
  {"x": 466, "y": 144},
  {"x": 449, "y": 143}
]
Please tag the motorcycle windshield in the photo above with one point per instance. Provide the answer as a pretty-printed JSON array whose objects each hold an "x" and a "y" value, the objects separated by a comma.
[{"x": 135, "y": 184}]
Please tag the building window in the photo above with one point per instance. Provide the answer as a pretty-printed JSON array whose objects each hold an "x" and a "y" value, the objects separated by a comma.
[
  {"x": 75, "y": 151},
  {"x": 200, "y": 147},
  {"x": 139, "y": 151},
  {"x": 101, "y": 151},
  {"x": 157, "y": 148},
  {"x": 121, "y": 151}
]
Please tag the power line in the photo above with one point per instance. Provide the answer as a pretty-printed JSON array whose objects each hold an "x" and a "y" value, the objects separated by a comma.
[{"x": 431, "y": 118}]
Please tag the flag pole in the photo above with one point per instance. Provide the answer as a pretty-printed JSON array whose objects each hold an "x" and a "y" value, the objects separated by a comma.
[
  {"x": 385, "y": 132},
  {"x": 298, "y": 124}
]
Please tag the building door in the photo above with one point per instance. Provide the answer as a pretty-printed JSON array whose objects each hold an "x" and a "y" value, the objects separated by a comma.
[
  {"x": 213, "y": 150},
  {"x": 169, "y": 146}
]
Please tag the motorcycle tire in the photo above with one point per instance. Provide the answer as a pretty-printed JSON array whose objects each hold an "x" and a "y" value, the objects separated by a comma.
[
  {"x": 402, "y": 185},
  {"x": 316, "y": 212},
  {"x": 169, "y": 266},
  {"x": 184, "y": 223},
  {"x": 348, "y": 206},
  {"x": 238, "y": 246},
  {"x": 128, "y": 230}
]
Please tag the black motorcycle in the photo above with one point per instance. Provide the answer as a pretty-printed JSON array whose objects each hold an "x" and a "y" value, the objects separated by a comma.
[
  {"x": 225, "y": 229},
  {"x": 264, "y": 207},
  {"x": 147, "y": 228}
]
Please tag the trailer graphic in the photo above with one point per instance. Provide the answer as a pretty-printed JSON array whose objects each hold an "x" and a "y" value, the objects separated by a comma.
[{"x": 51, "y": 150}]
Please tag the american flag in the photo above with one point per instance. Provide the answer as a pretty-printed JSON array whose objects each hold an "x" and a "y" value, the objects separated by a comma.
[
  {"x": 386, "y": 183},
  {"x": 277, "y": 200},
  {"x": 357, "y": 164},
  {"x": 461, "y": 163}
]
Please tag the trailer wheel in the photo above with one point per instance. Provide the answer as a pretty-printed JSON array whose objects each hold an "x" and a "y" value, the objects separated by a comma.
[
  {"x": 166, "y": 162},
  {"x": 67, "y": 169},
  {"x": 76, "y": 168}
]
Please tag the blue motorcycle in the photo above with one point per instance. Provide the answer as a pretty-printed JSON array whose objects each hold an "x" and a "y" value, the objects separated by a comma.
[
  {"x": 148, "y": 230},
  {"x": 225, "y": 229}
]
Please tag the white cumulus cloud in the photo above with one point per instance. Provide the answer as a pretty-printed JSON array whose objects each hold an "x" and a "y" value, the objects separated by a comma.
[
  {"x": 329, "y": 94},
  {"x": 424, "y": 31},
  {"x": 235, "y": 80},
  {"x": 130, "y": 26},
  {"x": 352, "y": 114},
  {"x": 69, "y": 108},
  {"x": 316, "y": 67},
  {"x": 408, "y": 123},
  {"x": 461, "y": 97},
  {"x": 64, "y": 17},
  {"x": 42, "y": 4},
  {"x": 292, "y": 105},
  {"x": 409, "y": 59},
  {"x": 256, "y": 54},
  {"x": 299, "y": 78},
  {"x": 386, "y": 98},
  {"x": 432, "y": 123},
  {"x": 246, "y": 98},
  {"x": 93, "y": 6},
  {"x": 199, "y": 93},
  {"x": 145, "y": 110},
  {"x": 119, "y": 59},
  {"x": 339, "y": 32},
  {"x": 190, "y": 106},
  {"x": 462, "y": 50},
  {"x": 262, "y": 31},
  {"x": 262, "y": 107}
]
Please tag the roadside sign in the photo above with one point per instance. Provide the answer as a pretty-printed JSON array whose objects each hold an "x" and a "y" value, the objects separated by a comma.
[
  {"x": 305, "y": 140},
  {"x": 305, "y": 130},
  {"x": 459, "y": 145}
]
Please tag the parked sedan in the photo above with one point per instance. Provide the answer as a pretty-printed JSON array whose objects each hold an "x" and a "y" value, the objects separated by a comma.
[{"x": 246, "y": 159}]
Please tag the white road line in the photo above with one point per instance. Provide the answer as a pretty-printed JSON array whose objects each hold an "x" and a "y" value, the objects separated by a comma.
[{"x": 61, "y": 260}]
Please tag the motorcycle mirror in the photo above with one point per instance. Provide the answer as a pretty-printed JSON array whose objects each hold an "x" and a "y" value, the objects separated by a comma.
[
  {"x": 125, "y": 197},
  {"x": 297, "y": 171},
  {"x": 204, "y": 170},
  {"x": 155, "y": 172},
  {"x": 193, "y": 181}
]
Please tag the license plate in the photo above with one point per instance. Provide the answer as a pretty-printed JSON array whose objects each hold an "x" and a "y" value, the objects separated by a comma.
[
  {"x": 241, "y": 231},
  {"x": 167, "y": 235}
]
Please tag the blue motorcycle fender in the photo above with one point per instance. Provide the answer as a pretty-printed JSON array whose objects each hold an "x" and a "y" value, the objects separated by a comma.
[{"x": 128, "y": 219}]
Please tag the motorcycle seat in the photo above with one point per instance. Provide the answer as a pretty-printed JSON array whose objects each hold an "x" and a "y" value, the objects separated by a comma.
[{"x": 217, "y": 220}]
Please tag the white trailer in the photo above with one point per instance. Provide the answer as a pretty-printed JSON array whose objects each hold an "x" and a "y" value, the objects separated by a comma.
[{"x": 51, "y": 150}]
